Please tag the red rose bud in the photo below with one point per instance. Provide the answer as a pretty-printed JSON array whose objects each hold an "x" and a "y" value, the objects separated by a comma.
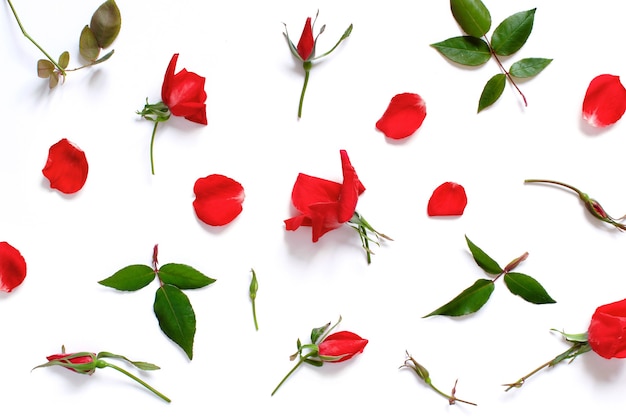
[
  {"x": 607, "y": 331},
  {"x": 306, "y": 43},
  {"x": 83, "y": 362},
  {"x": 341, "y": 346}
]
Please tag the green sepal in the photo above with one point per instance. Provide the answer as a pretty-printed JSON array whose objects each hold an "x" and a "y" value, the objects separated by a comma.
[
  {"x": 176, "y": 317},
  {"x": 64, "y": 60},
  {"x": 45, "y": 68},
  {"x": 183, "y": 276},
  {"x": 130, "y": 278},
  {"x": 469, "y": 301},
  {"x": 472, "y": 15},
  {"x": 529, "y": 67},
  {"x": 318, "y": 332},
  {"x": 144, "y": 366},
  {"x": 527, "y": 287},
  {"x": 482, "y": 259},
  {"x": 88, "y": 45},
  {"x": 106, "y": 23},
  {"x": 465, "y": 50},
  {"x": 512, "y": 33},
  {"x": 573, "y": 337},
  {"x": 492, "y": 91}
]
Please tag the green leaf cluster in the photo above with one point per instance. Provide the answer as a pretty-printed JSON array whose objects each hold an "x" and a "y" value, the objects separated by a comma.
[
  {"x": 475, "y": 49},
  {"x": 171, "y": 306},
  {"x": 474, "y": 297}
]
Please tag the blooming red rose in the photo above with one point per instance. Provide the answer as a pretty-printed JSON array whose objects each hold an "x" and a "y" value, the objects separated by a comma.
[
  {"x": 218, "y": 199},
  {"x": 306, "y": 42},
  {"x": 403, "y": 116},
  {"x": 12, "y": 267},
  {"x": 607, "y": 331},
  {"x": 325, "y": 205},
  {"x": 83, "y": 363},
  {"x": 183, "y": 93},
  {"x": 449, "y": 199},
  {"x": 605, "y": 101},
  {"x": 341, "y": 346},
  {"x": 66, "y": 167}
]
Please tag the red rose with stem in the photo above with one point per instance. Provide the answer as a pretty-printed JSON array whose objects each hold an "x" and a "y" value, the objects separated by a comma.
[
  {"x": 326, "y": 347},
  {"x": 182, "y": 94},
  {"x": 326, "y": 205},
  {"x": 86, "y": 363},
  {"x": 305, "y": 51}
]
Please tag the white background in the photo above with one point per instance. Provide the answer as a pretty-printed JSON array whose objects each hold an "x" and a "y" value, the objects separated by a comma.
[{"x": 253, "y": 135}]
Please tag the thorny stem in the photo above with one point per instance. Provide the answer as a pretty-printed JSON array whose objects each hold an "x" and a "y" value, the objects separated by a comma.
[
  {"x": 506, "y": 73},
  {"x": 128, "y": 374},
  {"x": 19, "y": 23}
]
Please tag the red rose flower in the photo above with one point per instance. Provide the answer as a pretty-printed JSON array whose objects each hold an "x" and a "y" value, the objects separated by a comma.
[
  {"x": 12, "y": 267},
  {"x": 605, "y": 101},
  {"x": 66, "y": 167},
  {"x": 183, "y": 93},
  {"x": 83, "y": 363},
  {"x": 448, "y": 199},
  {"x": 403, "y": 116},
  {"x": 218, "y": 199},
  {"x": 341, "y": 346},
  {"x": 607, "y": 331},
  {"x": 306, "y": 42}
]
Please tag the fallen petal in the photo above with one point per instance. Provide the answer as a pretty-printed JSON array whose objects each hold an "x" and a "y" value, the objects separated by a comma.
[
  {"x": 218, "y": 199},
  {"x": 12, "y": 267},
  {"x": 605, "y": 101},
  {"x": 67, "y": 167},
  {"x": 449, "y": 199},
  {"x": 403, "y": 116}
]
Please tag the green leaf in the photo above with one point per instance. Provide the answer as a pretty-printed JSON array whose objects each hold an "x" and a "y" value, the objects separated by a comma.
[
  {"x": 527, "y": 287},
  {"x": 512, "y": 33},
  {"x": 176, "y": 317},
  {"x": 472, "y": 16},
  {"x": 144, "y": 366},
  {"x": 44, "y": 68},
  {"x": 529, "y": 67},
  {"x": 183, "y": 276},
  {"x": 106, "y": 23},
  {"x": 130, "y": 278},
  {"x": 88, "y": 45},
  {"x": 64, "y": 59},
  {"x": 465, "y": 50},
  {"x": 318, "y": 332},
  {"x": 482, "y": 259},
  {"x": 469, "y": 301},
  {"x": 492, "y": 91}
]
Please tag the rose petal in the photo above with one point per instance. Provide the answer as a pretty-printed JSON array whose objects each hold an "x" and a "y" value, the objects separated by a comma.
[
  {"x": 607, "y": 330},
  {"x": 342, "y": 343},
  {"x": 218, "y": 199},
  {"x": 12, "y": 267},
  {"x": 184, "y": 93},
  {"x": 605, "y": 101},
  {"x": 67, "y": 167},
  {"x": 403, "y": 116},
  {"x": 449, "y": 199},
  {"x": 350, "y": 189},
  {"x": 306, "y": 42}
]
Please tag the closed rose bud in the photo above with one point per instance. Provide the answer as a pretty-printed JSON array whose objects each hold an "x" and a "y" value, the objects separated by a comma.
[
  {"x": 341, "y": 346},
  {"x": 83, "y": 362},
  {"x": 607, "y": 331}
]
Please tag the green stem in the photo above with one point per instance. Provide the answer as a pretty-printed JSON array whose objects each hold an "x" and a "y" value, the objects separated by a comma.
[
  {"x": 576, "y": 190},
  {"x": 19, "y": 23},
  {"x": 307, "y": 71},
  {"x": 256, "y": 324},
  {"x": 506, "y": 73},
  {"x": 300, "y": 362},
  {"x": 156, "y": 123},
  {"x": 125, "y": 372},
  {"x": 451, "y": 398}
]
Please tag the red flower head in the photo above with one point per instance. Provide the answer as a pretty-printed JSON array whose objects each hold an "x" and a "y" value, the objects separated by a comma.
[
  {"x": 605, "y": 101},
  {"x": 12, "y": 267},
  {"x": 341, "y": 346},
  {"x": 83, "y": 362},
  {"x": 66, "y": 167},
  {"x": 218, "y": 199},
  {"x": 306, "y": 44},
  {"x": 607, "y": 331},
  {"x": 449, "y": 199},
  {"x": 403, "y": 116},
  {"x": 183, "y": 93}
]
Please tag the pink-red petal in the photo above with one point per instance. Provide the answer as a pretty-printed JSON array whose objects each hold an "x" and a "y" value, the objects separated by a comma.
[
  {"x": 218, "y": 199},
  {"x": 449, "y": 199},
  {"x": 351, "y": 188},
  {"x": 404, "y": 115},
  {"x": 184, "y": 93},
  {"x": 12, "y": 267},
  {"x": 306, "y": 42},
  {"x": 605, "y": 101},
  {"x": 66, "y": 167}
]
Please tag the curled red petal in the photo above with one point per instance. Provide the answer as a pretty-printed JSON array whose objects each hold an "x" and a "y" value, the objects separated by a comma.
[
  {"x": 12, "y": 267},
  {"x": 67, "y": 167},
  {"x": 351, "y": 188},
  {"x": 184, "y": 93},
  {"x": 345, "y": 344},
  {"x": 218, "y": 199},
  {"x": 449, "y": 199},
  {"x": 306, "y": 42},
  {"x": 404, "y": 115},
  {"x": 605, "y": 101}
]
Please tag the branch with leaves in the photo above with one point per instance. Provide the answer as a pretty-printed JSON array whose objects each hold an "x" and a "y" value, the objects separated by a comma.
[
  {"x": 473, "y": 298},
  {"x": 475, "y": 48},
  {"x": 171, "y": 306}
]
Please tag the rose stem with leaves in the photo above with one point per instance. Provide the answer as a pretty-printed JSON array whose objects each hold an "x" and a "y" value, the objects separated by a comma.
[
  {"x": 505, "y": 72},
  {"x": 254, "y": 286}
]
